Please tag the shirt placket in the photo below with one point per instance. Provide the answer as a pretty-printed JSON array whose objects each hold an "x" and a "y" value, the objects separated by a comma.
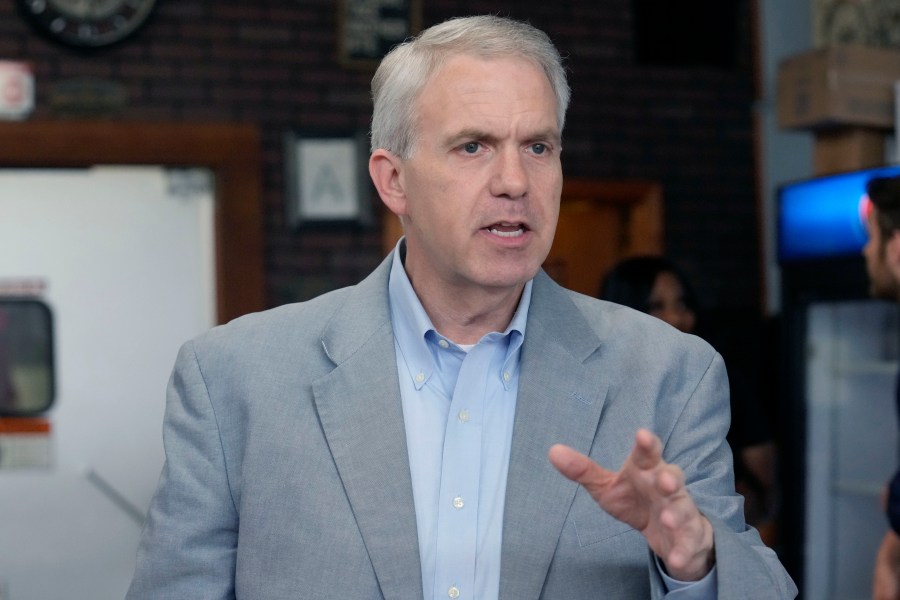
[{"x": 457, "y": 529}]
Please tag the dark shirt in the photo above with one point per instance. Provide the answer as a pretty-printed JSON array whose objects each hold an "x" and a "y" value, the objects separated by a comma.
[
  {"x": 749, "y": 427},
  {"x": 893, "y": 507}
]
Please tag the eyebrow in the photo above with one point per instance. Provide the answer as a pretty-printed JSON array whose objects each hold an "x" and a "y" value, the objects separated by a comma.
[
  {"x": 469, "y": 134},
  {"x": 478, "y": 134}
]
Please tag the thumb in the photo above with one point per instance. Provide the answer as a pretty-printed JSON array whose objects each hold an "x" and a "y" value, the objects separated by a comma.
[{"x": 576, "y": 466}]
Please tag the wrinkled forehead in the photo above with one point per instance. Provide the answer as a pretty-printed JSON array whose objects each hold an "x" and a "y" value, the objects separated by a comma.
[{"x": 442, "y": 62}]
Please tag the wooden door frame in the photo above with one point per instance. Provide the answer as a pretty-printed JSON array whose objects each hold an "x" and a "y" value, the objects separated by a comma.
[
  {"x": 639, "y": 200},
  {"x": 230, "y": 151}
]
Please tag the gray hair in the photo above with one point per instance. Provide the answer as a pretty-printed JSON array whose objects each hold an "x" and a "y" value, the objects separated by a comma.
[{"x": 407, "y": 68}]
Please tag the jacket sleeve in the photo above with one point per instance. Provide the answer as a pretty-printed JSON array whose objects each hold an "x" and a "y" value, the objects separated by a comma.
[
  {"x": 746, "y": 568},
  {"x": 189, "y": 541}
]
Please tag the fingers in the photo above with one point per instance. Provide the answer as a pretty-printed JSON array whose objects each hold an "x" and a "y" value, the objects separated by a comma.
[
  {"x": 653, "y": 476},
  {"x": 688, "y": 540},
  {"x": 670, "y": 480},
  {"x": 651, "y": 496},
  {"x": 566, "y": 461},
  {"x": 646, "y": 455},
  {"x": 691, "y": 546},
  {"x": 678, "y": 513},
  {"x": 647, "y": 452},
  {"x": 575, "y": 465}
]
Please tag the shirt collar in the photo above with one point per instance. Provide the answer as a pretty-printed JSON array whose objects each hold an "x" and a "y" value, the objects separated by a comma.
[{"x": 412, "y": 325}]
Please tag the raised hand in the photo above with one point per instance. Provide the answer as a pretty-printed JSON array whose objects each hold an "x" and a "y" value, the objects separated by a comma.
[{"x": 650, "y": 495}]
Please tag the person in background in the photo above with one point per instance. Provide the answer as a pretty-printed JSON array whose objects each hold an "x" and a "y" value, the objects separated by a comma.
[
  {"x": 655, "y": 285},
  {"x": 882, "y": 255},
  {"x": 456, "y": 425}
]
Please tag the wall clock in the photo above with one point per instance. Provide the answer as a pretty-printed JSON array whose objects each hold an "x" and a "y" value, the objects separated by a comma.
[{"x": 87, "y": 23}]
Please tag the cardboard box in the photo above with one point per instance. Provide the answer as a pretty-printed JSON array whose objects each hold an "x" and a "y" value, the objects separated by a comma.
[
  {"x": 839, "y": 85},
  {"x": 848, "y": 149}
]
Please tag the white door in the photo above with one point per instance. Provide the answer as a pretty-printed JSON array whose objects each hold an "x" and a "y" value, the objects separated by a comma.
[{"x": 126, "y": 258}]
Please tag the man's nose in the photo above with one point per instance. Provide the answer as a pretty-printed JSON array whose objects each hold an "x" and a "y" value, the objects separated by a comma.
[{"x": 510, "y": 178}]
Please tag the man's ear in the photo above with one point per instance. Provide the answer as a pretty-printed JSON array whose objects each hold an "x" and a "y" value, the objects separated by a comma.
[{"x": 386, "y": 171}]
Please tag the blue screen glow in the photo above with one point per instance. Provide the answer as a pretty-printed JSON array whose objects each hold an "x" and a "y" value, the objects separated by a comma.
[{"x": 822, "y": 217}]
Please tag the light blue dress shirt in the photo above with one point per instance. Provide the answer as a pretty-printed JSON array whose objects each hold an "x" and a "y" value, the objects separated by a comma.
[{"x": 458, "y": 408}]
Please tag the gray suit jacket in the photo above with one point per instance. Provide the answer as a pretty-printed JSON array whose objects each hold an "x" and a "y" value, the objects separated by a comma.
[{"x": 287, "y": 472}]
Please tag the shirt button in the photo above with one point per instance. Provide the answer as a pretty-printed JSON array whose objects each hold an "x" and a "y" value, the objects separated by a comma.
[
  {"x": 458, "y": 502},
  {"x": 453, "y": 592},
  {"x": 443, "y": 343},
  {"x": 464, "y": 416},
  {"x": 506, "y": 376},
  {"x": 420, "y": 377}
]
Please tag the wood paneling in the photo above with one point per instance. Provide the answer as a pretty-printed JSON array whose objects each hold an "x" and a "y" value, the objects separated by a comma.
[{"x": 602, "y": 221}]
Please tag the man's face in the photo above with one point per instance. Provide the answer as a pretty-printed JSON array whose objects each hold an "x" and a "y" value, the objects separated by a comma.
[
  {"x": 882, "y": 280},
  {"x": 482, "y": 188}
]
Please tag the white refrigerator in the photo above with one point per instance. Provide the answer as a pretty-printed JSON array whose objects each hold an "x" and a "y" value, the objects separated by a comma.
[
  {"x": 840, "y": 357},
  {"x": 851, "y": 361}
]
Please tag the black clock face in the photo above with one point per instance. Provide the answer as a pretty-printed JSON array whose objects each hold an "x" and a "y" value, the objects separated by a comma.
[{"x": 87, "y": 23}]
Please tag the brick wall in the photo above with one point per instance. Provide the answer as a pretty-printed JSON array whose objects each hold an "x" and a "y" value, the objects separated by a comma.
[{"x": 272, "y": 63}]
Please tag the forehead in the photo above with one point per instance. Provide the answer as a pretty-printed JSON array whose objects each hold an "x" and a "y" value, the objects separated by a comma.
[
  {"x": 469, "y": 85},
  {"x": 666, "y": 281}
]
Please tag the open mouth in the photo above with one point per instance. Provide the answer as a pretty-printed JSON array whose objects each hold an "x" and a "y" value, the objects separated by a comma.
[{"x": 507, "y": 230}]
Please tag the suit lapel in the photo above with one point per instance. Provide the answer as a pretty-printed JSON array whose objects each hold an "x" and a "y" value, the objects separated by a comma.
[
  {"x": 362, "y": 417},
  {"x": 561, "y": 394}
]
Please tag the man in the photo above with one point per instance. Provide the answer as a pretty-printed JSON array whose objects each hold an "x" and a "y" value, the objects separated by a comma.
[
  {"x": 391, "y": 440},
  {"x": 882, "y": 254}
]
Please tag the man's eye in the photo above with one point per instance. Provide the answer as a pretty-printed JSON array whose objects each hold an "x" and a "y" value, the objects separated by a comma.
[
  {"x": 471, "y": 147},
  {"x": 538, "y": 148}
]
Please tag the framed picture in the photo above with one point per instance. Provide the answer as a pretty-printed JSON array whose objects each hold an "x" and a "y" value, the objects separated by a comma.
[
  {"x": 327, "y": 178},
  {"x": 368, "y": 29}
]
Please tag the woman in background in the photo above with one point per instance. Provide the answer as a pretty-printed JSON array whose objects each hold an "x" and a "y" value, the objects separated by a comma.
[{"x": 655, "y": 285}]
